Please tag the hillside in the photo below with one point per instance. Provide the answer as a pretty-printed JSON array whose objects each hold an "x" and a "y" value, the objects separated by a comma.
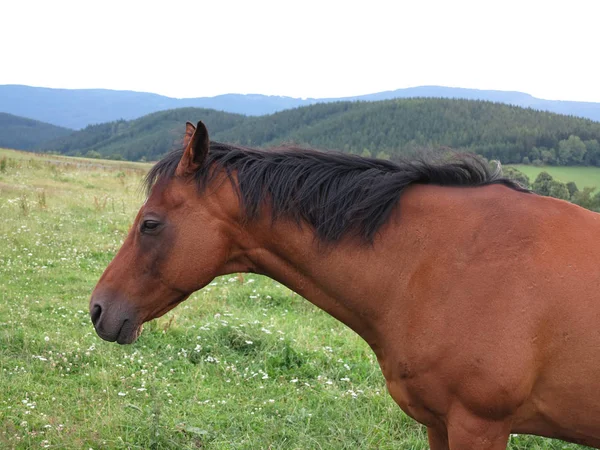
[
  {"x": 26, "y": 134},
  {"x": 78, "y": 108},
  {"x": 145, "y": 138},
  {"x": 389, "y": 128}
]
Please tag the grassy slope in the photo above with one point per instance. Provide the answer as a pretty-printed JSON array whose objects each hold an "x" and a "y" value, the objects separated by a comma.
[
  {"x": 237, "y": 366},
  {"x": 582, "y": 176}
]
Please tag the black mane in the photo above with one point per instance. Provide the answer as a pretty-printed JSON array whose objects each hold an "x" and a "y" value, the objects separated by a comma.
[{"x": 335, "y": 193}]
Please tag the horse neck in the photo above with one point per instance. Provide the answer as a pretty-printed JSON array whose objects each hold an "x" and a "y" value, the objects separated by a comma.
[{"x": 324, "y": 274}]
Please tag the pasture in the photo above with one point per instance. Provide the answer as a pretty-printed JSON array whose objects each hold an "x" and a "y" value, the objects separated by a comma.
[
  {"x": 244, "y": 363},
  {"x": 582, "y": 176}
]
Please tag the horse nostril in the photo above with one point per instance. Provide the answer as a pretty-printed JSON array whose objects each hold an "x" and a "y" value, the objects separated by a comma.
[{"x": 96, "y": 313}]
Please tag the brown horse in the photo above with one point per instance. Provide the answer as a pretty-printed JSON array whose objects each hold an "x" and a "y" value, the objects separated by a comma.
[{"x": 481, "y": 301}]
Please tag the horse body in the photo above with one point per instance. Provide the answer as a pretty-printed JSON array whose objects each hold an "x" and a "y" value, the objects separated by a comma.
[
  {"x": 468, "y": 315},
  {"x": 482, "y": 304},
  {"x": 496, "y": 314}
]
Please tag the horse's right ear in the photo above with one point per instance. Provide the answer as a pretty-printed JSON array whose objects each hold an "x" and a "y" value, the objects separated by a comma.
[{"x": 196, "y": 145}]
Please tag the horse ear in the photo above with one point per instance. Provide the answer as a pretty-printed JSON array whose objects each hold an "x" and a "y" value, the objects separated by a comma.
[
  {"x": 189, "y": 132},
  {"x": 196, "y": 145}
]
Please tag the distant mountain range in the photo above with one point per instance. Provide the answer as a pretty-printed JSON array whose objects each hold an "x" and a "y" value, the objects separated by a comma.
[{"x": 77, "y": 108}]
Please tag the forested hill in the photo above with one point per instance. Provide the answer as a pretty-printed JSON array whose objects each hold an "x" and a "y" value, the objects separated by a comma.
[
  {"x": 385, "y": 129},
  {"x": 146, "y": 138},
  {"x": 26, "y": 134}
]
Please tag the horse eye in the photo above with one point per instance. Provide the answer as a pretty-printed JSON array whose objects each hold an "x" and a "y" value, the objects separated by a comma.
[{"x": 149, "y": 226}]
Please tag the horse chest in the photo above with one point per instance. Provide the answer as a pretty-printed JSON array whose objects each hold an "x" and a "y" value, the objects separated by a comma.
[
  {"x": 414, "y": 390},
  {"x": 417, "y": 400}
]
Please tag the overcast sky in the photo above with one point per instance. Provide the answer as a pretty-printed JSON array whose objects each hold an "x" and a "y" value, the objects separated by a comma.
[{"x": 303, "y": 48}]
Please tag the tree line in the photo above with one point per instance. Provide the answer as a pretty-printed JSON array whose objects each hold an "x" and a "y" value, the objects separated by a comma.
[{"x": 384, "y": 129}]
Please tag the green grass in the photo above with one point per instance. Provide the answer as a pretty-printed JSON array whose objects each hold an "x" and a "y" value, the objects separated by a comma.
[
  {"x": 582, "y": 176},
  {"x": 240, "y": 365}
]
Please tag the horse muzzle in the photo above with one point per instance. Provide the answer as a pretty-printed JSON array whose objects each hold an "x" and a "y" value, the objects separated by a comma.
[{"x": 113, "y": 319}]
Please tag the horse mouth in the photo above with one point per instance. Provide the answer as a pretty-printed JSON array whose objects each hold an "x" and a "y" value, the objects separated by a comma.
[
  {"x": 128, "y": 334},
  {"x": 165, "y": 309},
  {"x": 121, "y": 323},
  {"x": 129, "y": 331}
]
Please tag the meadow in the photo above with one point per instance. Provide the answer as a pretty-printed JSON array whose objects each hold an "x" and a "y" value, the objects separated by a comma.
[
  {"x": 243, "y": 364},
  {"x": 582, "y": 176}
]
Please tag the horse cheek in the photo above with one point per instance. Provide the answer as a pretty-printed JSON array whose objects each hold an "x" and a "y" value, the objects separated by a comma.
[{"x": 196, "y": 262}]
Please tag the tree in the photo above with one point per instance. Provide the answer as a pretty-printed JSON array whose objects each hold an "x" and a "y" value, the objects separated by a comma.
[
  {"x": 548, "y": 156},
  {"x": 535, "y": 153},
  {"x": 558, "y": 190},
  {"x": 585, "y": 199},
  {"x": 541, "y": 185},
  {"x": 544, "y": 184},
  {"x": 596, "y": 204},
  {"x": 571, "y": 151},
  {"x": 572, "y": 188},
  {"x": 592, "y": 154},
  {"x": 93, "y": 154},
  {"x": 516, "y": 175}
]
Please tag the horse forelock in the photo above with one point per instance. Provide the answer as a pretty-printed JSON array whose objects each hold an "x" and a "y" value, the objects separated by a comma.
[{"x": 336, "y": 193}]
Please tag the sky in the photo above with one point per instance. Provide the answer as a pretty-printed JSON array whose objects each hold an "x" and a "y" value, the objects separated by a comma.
[{"x": 303, "y": 48}]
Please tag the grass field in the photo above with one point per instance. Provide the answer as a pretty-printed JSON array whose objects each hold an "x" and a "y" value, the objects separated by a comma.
[
  {"x": 582, "y": 176},
  {"x": 240, "y": 365}
]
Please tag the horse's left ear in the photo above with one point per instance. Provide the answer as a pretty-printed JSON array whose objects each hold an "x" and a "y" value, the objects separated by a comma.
[{"x": 196, "y": 144}]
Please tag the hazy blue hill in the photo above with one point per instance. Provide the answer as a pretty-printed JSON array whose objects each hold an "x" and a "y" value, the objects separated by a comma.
[
  {"x": 249, "y": 104},
  {"x": 509, "y": 97},
  {"x": 25, "y": 134},
  {"x": 77, "y": 108}
]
